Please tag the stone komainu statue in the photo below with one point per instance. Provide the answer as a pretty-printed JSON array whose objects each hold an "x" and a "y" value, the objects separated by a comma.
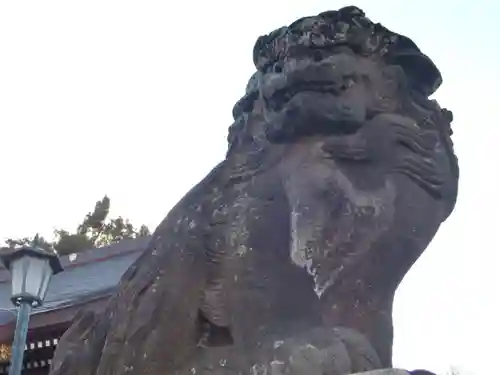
[{"x": 286, "y": 257}]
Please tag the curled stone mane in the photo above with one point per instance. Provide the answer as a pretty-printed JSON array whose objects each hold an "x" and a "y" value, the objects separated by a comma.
[
  {"x": 348, "y": 30},
  {"x": 348, "y": 27}
]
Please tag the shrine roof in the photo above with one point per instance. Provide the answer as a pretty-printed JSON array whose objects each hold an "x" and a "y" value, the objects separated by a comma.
[{"x": 88, "y": 275}]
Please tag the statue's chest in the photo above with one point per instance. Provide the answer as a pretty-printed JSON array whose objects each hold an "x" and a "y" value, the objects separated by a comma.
[
  {"x": 259, "y": 282},
  {"x": 250, "y": 236},
  {"x": 257, "y": 225}
]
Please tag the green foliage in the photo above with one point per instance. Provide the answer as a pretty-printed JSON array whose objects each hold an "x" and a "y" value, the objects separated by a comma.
[
  {"x": 67, "y": 243},
  {"x": 37, "y": 241},
  {"x": 96, "y": 230}
]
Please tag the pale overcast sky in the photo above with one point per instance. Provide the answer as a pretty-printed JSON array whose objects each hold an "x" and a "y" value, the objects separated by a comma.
[{"x": 133, "y": 99}]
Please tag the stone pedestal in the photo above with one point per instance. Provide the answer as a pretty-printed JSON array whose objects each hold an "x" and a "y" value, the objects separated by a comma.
[{"x": 385, "y": 371}]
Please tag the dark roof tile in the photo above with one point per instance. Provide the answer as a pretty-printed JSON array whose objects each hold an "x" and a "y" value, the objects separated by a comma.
[{"x": 90, "y": 274}]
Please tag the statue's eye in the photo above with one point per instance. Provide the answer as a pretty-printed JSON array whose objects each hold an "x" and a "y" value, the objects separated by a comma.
[
  {"x": 278, "y": 67},
  {"x": 317, "y": 56},
  {"x": 347, "y": 83},
  {"x": 350, "y": 82}
]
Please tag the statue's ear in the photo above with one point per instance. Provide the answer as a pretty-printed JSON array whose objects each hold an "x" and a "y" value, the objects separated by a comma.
[{"x": 422, "y": 73}]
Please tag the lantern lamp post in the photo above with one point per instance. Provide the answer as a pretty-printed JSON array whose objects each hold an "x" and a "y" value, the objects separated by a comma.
[{"x": 31, "y": 269}]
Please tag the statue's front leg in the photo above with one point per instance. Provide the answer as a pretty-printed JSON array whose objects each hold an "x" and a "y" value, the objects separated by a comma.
[
  {"x": 379, "y": 139},
  {"x": 318, "y": 351},
  {"x": 352, "y": 147},
  {"x": 415, "y": 152},
  {"x": 396, "y": 143}
]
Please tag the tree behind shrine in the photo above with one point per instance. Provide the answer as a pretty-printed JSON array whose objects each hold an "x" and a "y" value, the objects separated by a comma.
[{"x": 96, "y": 230}]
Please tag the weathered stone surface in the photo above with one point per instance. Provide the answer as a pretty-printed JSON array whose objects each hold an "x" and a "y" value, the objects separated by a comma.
[{"x": 286, "y": 257}]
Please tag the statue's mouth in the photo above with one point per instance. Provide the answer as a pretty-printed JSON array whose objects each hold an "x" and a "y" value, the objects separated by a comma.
[
  {"x": 309, "y": 103},
  {"x": 281, "y": 97},
  {"x": 323, "y": 77}
]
